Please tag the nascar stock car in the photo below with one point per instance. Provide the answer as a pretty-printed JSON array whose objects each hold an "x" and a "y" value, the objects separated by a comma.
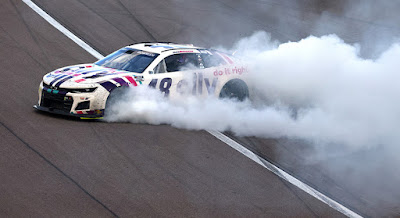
[{"x": 86, "y": 90}]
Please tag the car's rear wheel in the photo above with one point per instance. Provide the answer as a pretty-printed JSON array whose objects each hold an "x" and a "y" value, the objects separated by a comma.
[{"x": 235, "y": 89}]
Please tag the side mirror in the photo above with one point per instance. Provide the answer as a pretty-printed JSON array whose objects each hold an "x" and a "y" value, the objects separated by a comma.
[{"x": 151, "y": 72}]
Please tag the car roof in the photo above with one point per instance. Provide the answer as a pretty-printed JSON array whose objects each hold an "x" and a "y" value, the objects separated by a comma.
[{"x": 159, "y": 47}]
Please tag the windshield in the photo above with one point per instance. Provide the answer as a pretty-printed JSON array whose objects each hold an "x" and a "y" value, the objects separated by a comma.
[{"x": 128, "y": 59}]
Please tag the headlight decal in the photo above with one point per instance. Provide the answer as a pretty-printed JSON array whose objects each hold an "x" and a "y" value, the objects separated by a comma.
[
  {"x": 54, "y": 91},
  {"x": 64, "y": 91}
]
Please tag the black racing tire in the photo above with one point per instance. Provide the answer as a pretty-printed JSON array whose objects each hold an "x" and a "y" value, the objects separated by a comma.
[
  {"x": 116, "y": 95},
  {"x": 235, "y": 89}
]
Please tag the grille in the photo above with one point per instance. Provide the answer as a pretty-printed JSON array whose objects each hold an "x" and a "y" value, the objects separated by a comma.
[{"x": 56, "y": 101}]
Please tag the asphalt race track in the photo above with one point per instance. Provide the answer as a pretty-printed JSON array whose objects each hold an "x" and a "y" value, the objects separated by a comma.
[{"x": 52, "y": 166}]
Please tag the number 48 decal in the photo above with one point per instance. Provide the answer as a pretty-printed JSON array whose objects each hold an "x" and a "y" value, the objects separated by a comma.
[{"x": 165, "y": 84}]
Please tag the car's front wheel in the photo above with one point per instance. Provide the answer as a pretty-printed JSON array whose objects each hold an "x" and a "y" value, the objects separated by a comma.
[{"x": 116, "y": 95}]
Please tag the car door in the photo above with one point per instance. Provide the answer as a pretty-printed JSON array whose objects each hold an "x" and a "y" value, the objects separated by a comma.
[{"x": 176, "y": 74}]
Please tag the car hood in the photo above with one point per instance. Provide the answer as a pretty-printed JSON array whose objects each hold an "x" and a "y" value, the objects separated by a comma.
[{"x": 88, "y": 75}]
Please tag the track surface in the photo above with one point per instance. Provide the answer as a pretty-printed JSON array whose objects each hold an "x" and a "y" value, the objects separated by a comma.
[{"x": 52, "y": 166}]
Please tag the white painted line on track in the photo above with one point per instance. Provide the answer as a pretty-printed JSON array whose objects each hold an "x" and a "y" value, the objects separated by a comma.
[
  {"x": 62, "y": 29},
  {"x": 282, "y": 174}
]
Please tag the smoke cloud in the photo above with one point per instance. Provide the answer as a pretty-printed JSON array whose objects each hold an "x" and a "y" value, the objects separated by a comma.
[
  {"x": 317, "y": 89},
  {"x": 341, "y": 98}
]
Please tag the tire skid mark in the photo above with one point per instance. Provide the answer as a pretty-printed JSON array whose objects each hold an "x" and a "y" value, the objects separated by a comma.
[
  {"x": 106, "y": 20},
  {"x": 138, "y": 21},
  {"x": 57, "y": 168},
  {"x": 31, "y": 34}
]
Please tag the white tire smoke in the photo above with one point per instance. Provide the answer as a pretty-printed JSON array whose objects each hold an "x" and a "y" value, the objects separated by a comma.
[{"x": 317, "y": 89}]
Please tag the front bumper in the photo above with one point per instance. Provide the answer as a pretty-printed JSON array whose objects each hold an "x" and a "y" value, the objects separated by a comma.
[
  {"x": 90, "y": 114},
  {"x": 62, "y": 101}
]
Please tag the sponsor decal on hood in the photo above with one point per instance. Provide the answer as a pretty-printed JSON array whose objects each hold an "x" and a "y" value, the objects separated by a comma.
[{"x": 89, "y": 74}]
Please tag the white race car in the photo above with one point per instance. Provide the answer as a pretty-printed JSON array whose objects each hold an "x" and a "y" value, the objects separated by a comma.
[{"x": 85, "y": 90}]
